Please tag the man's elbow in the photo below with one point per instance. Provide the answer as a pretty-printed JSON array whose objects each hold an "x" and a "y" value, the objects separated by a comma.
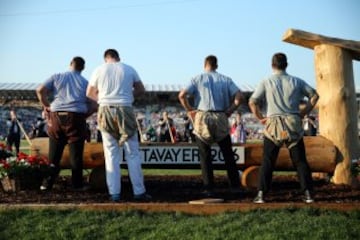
[
  {"x": 316, "y": 97},
  {"x": 181, "y": 95},
  {"x": 40, "y": 91}
]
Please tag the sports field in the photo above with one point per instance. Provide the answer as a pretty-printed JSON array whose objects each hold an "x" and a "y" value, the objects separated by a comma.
[
  {"x": 304, "y": 223},
  {"x": 54, "y": 222}
]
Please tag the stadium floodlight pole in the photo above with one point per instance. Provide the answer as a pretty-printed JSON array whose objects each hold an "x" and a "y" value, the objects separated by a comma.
[{"x": 24, "y": 132}]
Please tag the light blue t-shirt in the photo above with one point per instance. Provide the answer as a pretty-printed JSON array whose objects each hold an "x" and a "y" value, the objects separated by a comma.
[
  {"x": 212, "y": 91},
  {"x": 69, "y": 91},
  {"x": 283, "y": 93}
]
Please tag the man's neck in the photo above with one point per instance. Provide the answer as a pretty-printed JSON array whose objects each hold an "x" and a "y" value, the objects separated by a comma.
[
  {"x": 278, "y": 71},
  {"x": 111, "y": 60}
]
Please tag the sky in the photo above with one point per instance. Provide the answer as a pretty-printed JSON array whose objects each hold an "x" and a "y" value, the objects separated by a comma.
[{"x": 166, "y": 41}]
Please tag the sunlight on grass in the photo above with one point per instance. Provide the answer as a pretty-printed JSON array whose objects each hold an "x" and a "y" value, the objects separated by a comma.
[{"x": 257, "y": 224}]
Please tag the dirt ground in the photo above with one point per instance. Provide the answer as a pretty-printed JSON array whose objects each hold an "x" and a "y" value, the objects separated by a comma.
[{"x": 181, "y": 189}]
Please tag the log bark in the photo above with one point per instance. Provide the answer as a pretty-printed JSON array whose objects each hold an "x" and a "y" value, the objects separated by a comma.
[{"x": 337, "y": 106}]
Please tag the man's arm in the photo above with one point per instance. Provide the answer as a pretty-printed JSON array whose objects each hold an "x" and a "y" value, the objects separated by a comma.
[
  {"x": 256, "y": 111},
  {"x": 42, "y": 94},
  {"x": 238, "y": 99},
  {"x": 310, "y": 105},
  {"x": 184, "y": 101},
  {"x": 92, "y": 93},
  {"x": 92, "y": 107},
  {"x": 139, "y": 89}
]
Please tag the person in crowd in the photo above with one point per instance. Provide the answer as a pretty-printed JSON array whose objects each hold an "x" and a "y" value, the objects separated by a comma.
[
  {"x": 114, "y": 85},
  {"x": 283, "y": 124},
  {"x": 40, "y": 126},
  {"x": 188, "y": 128},
  {"x": 98, "y": 133},
  {"x": 14, "y": 132},
  {"x": 213, "y": 94},
  {"x": 88, "y": 133},
  {"x": 66, "y": 116},
  {"x": 238, "y": 132},
  {"x": 167, "y": 129},
  {"x": 151, "y": 134}
]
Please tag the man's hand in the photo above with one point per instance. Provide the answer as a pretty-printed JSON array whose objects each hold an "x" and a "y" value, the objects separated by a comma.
[
  {"x": 263, "y": 121},
  {"x": 191, "y": 114},
  {"x": 256, "y": 111}
]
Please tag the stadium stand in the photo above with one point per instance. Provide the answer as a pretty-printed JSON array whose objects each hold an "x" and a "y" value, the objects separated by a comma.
[{"x": 158, "y": 98}]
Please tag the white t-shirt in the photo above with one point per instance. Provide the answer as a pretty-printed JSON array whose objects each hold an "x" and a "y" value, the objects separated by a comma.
[{"x": 114, "y": 82}]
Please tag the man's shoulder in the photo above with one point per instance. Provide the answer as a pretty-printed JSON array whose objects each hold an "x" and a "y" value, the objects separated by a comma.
[
  {"x": 223, "y": 76},
  {"x": 127, "y": 66}
]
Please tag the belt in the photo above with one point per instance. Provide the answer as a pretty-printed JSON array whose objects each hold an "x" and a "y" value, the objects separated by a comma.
[
  {"x": 214, "y": 111},
  {"x": 62, "y": 113}
]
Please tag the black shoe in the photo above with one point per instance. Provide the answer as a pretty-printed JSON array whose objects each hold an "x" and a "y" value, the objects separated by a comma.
[
  {"x": 235, "y": 190},
  {"x": 115, "y": 198},
  {"x": 259, "y": 198},
  {"x": 46, "y": 186},
  {"x": 144, "y": 197},
  {"x": 81, "y": 189},
  {"x": 307, "y": 197}
]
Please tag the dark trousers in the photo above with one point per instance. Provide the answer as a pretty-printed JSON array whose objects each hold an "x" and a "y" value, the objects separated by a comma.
[
  {"x": 298, "y": 157},
  {"x": 56, "y": 148},
  {"x": 165, "y": 137},
  {"x": 207, "y": 166},
  {"x": 13, "y": 139}
]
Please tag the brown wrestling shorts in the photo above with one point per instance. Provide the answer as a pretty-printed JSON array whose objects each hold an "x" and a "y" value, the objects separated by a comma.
[{"x": 67, "y": 126}]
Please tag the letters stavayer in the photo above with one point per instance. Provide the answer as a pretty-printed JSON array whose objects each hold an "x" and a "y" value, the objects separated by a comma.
[{"x": 183, "y": 155}]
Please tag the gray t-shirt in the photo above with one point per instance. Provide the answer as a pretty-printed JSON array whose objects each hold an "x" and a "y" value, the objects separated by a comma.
[
  {"x": 212, "y": 91},
  {"x": 69, "y": 91},
  {"x": 283, "y": 93}
]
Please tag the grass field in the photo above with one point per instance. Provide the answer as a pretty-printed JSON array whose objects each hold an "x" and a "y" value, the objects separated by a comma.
[
  {"x": 306, "y": 223},
  {"x": 259, "y": 224}
]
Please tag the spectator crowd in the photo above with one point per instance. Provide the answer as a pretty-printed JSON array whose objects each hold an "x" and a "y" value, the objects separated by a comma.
[{"x": 151, "y": 124}]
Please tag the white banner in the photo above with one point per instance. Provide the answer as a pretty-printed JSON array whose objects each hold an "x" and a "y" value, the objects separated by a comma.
[{"x": 183, "y": 155}]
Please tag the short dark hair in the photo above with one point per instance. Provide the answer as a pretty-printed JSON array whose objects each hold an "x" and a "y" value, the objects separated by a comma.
[
  {"x": 212, "y": 61},
  {"x": 79, "y": 63},
  {"x": 279, "y": 61},
  {"x": 112, "y": 53}
]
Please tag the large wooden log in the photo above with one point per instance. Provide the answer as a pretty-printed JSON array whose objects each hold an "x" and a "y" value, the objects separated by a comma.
[
  {"x": 93, "y": 153},
  {"x": 337, "y": 106},
  {"x": 336, "y": 87},
  {"x": 321, "y": 155}
]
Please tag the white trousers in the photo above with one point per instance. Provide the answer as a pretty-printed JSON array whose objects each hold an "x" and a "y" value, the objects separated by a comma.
[{"x": 113, "y": 155}]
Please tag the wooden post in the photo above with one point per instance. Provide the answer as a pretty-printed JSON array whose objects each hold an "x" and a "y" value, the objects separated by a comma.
[{"x": 336, "y": 87}]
